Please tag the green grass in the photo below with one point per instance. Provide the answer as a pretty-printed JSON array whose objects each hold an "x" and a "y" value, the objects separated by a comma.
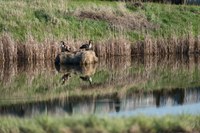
[
  {"x": 177, "y": 19},
  {"x": 44, "y": 19},
  {"x": 44, "y": 124}
]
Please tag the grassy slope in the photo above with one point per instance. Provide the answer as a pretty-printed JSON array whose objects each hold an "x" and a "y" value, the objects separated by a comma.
[
  {"x": 44, "y": 19},
  {"x": 44, "y": 124}
]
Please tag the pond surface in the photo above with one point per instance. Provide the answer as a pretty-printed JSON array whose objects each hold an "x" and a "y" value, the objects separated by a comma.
[{"x": 119, "y": 86}]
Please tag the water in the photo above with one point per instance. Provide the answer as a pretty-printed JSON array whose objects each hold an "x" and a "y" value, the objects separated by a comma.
[{"x": 119, "y": 86}]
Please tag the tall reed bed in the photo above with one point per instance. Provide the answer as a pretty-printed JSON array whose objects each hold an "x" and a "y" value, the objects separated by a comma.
[
  {"x": 113, "y": 47},
  {"x": 32, "y": 50},
  {"x": 187, "y": 44}
]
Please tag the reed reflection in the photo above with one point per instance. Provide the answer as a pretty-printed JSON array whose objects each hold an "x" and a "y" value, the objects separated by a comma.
[{"x": 149, "y": 81}]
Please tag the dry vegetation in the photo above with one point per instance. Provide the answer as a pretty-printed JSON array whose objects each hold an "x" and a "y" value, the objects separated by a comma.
[
  {"x": 28, "y": 51},
  {"x": 32, "y": 50},
  {"x": 121, "y": 19},
  {"x": 184, "y": 45}
]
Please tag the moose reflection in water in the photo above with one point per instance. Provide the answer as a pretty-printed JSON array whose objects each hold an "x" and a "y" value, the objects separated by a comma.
[
  {"x": 85, "y": 72},
  {"x": 87, "y": 78},
  {"x": 108, "y": 104},
  {"x": 65, "y": 77}
]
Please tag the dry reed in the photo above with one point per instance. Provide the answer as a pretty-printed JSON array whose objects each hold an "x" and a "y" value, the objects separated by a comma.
[
  {"x": 113, "y": 47},
  {"x": 31, "y": 50},
  {"x": 163, "y": 46}
]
